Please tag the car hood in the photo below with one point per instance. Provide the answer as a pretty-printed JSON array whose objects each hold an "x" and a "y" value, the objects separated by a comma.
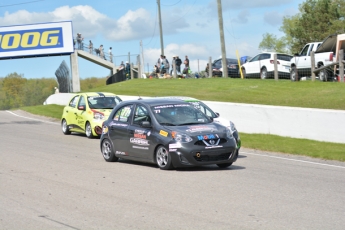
[
  {"x": 222, "y": 121},
  {"x": 199, "y": 129}
]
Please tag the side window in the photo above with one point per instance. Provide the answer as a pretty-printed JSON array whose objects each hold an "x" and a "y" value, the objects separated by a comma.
[
  {"x": 74, "y": 101},
  {"x": 255, "y": 58},
  {"x": 305, "y": 51},
  {"x": 82, "y": 102},
  {"x": 264, "y": 56},
  {"x": 141, "y": 114},
  {"x": 123, "y": 113},
  {"x": 117, "y": 100},
  {"x": 218, "y": 63}
]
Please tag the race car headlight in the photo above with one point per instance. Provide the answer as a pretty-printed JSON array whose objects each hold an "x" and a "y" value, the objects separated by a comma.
[
  {"x": 232, "y": 127},
  {"x": 98, "y": 116},
  {"x": 180, "y": 137},
  {"x": 228, "y": 133}
]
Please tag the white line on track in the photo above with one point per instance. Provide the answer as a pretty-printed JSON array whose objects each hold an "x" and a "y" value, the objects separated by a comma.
[
  {"x": 32, "y": 118},
  {"x": 283, "y": 158}
]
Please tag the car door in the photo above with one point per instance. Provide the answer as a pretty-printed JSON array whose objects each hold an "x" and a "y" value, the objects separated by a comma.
[
  {"x": 118, "y": 129},
  {"x": 140, "y": 139},
  {"x": 81, "y": 113},
  {"x": 264, "y": 61},
  {"x": 303, "y": 61},
  {"x": 70, "y": 111},
  {"x": 253, "y": 66}
]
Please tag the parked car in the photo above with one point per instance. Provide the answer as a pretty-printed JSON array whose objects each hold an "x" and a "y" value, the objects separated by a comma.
[
  {"x": 214, "y": 115},
  {"x": 232, "y": 64},
  {"x": 86, "y": 112},
  {"x": 168, "y": 132},
  {"x": 262, "y": 66},
  {"x": 326, "y": 52}
]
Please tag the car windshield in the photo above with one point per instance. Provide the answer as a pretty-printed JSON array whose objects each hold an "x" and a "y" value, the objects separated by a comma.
[
  {"x": 179, "y": 114},
  {"x": 203, "y": 108},
  {"x": 101, "y": 102}
]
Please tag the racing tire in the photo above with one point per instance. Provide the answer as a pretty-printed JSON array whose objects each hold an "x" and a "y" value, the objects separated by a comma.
[
  {"x": 293, "y": 74},
  {"x": 163, "y": 158},
  {"x": 224, "y": 165},
  {"x": 263, "y": 73},
  {"x": 108, "y": 152},
  {"x": 88, "y": 130},
  {"x": 64, "y": 127}
]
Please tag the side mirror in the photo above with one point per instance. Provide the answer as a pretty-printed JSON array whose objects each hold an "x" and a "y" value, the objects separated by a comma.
[
  {"x": 145, "y": 124},
  {"x": 81, "y": 107},
  {"x": 217, "y": 114}
]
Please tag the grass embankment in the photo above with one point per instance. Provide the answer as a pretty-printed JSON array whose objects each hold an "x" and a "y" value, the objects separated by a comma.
[{"x": 269, "y": 92}]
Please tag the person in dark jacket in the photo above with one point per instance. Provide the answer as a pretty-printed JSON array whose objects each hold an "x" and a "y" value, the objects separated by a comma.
[{"x": 178, "y": 62}]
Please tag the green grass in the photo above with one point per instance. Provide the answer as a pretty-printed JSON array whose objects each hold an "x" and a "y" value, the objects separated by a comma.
[
  {"x": 324, "y": 95},
  {"x": 308, "y": 94}
]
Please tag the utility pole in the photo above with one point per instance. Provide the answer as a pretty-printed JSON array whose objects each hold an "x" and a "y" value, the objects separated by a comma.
[
  {"x": 160, "y": 26},
  {"x": 142, "y": 55},
  {"x": 222, "y": 42}
]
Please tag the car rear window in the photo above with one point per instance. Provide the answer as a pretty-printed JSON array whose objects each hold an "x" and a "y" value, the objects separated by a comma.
[{"x": 284, "y": 57}]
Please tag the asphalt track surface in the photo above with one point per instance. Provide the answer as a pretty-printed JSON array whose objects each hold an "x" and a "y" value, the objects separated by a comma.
[{"x": 53, "y": 181}]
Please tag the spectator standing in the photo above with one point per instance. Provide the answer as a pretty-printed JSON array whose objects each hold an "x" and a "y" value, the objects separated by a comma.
[
  {"x": 128, "y": 70},
  {"x": 90, "y": 47},
  {"x": 173, "y": 63},
  {"x": 111, "y": 55},
  {"x": 101, "y": 52},
  {"x": 80, "y": 41},
  {"x": 160, "y": 63},
  {"x": 178, "y": 63},
  {"x": 186, "y": 65},
  {"x": 56, "y": 90},
  {"x": 166, "y": 65}
]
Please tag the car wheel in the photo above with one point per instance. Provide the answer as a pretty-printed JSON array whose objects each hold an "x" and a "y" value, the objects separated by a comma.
[
  {"x": 323, "y": 75},
  {"x": 163, "y": 158},
  {"x": 64, "y": 127},
  {"x": 88, "y": 130},
  {"x": 224, "y": 165},
  {"x": 244, "y": 73},
  {"x": 108, "y": 152},
  {"x": 263, "y": 74},
  {"x": 293, "y": 74}
]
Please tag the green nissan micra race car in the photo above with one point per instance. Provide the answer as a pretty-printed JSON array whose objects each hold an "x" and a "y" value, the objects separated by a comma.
[{"x": 86, "y": 112}]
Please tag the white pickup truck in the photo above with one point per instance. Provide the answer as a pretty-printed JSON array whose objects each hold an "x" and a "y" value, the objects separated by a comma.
[
  {"x": 300, "y": 64},
  {"x": 326, "y": 54}
]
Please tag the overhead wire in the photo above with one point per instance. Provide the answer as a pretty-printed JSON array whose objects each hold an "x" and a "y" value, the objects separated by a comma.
[
  {"x": 154, "y": 30},
  {"x": 22, "y": 3},
  {"x": 172, "y": 4},
  {"x": 183, "y": 15}
]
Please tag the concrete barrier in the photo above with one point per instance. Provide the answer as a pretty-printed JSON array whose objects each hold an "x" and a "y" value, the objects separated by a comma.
[{"x": 314, "y": 124}]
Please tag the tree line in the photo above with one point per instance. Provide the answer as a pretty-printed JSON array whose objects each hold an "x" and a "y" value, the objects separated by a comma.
[
  {"x": 17, "y": 91},
  {"x": 316, "y": 20}
]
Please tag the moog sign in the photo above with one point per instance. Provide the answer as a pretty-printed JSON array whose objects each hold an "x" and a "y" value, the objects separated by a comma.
[{"x": 37, "y": 39}]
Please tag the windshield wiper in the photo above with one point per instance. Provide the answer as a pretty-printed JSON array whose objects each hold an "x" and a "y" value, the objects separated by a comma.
[
  {"x": 190, "y": 123},
  {"x": 168, "y": 124}
]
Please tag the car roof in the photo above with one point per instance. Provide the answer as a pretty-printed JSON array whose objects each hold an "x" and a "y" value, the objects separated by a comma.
[
  {"x": 98, "y": 94},
  {"x": 156, "y": 101}
]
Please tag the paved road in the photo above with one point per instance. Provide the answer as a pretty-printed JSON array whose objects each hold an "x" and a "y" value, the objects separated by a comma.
[{"x": 52, "y": 181}]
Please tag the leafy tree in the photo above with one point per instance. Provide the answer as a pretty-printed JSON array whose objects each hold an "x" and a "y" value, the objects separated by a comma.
[
  {"x": 316, "y": 20},
  {"x": 271, "y": 43},
  {"x": 12, "y": 86}
]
